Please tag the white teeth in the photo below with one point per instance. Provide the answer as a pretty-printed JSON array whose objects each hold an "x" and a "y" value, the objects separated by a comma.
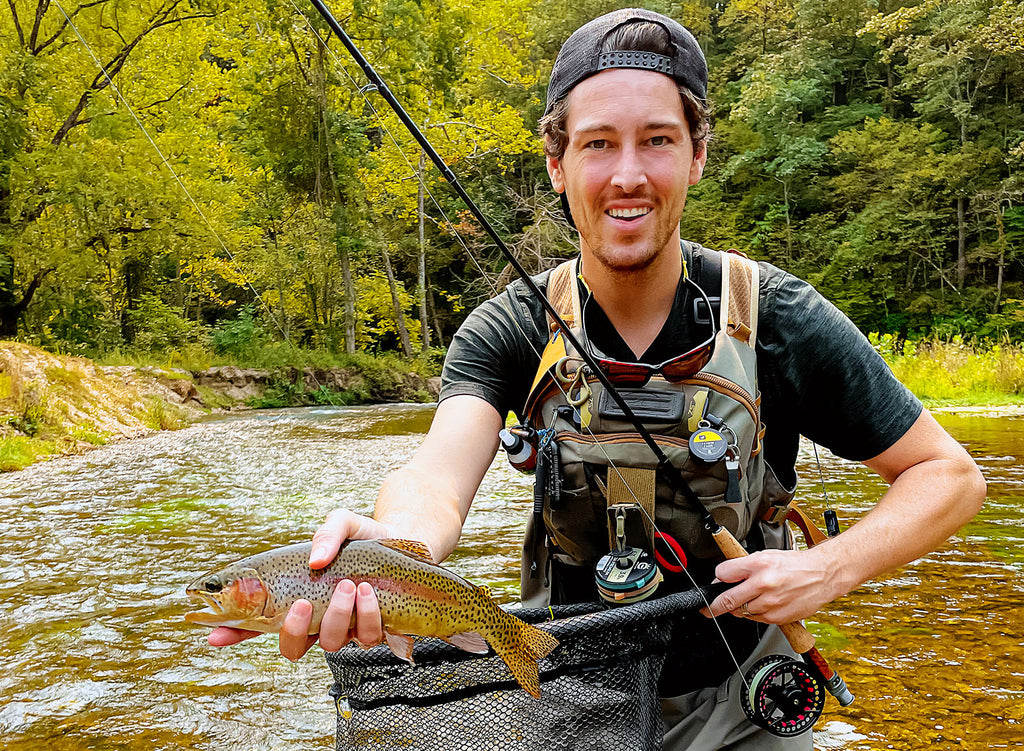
[{"x": 628, "y": 213}]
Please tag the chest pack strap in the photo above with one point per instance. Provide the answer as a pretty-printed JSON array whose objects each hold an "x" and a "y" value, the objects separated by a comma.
[
  {"x": 740, "y": 283},
  {"x": 795, "y": 515}
]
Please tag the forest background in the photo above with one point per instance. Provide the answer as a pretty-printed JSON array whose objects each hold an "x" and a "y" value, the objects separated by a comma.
[{"x": 872, "y": 147}]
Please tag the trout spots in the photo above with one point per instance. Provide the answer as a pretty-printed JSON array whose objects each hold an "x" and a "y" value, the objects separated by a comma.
[{"x": 416, "y": 597}]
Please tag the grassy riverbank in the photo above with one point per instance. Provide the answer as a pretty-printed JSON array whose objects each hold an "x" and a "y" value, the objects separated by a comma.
[
  {"x": 956, "y": 374},
  {"x": 53, "y": 404},
  {"x": 58, "y": 404}
]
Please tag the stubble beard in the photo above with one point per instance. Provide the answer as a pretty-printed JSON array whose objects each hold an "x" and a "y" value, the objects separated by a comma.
[{"x": 637, "y": 258}]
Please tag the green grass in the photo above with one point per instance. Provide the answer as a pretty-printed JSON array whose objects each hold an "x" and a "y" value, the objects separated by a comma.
[
  {"x": 19, "y": 451},
  {"x": 956, "y": 373}
]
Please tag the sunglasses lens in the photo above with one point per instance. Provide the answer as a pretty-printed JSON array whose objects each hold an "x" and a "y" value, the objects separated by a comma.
[
  {"x": 626, "y": 373},
  {"x": 687, "y": 365}
]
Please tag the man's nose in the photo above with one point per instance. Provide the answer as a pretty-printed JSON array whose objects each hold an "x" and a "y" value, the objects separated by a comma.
[{"x": 629, "y": 174}]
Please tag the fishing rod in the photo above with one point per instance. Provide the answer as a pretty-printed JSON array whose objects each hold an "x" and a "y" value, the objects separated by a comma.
[
  {"x": 776, "y": 674},
  {"x": 799, "y": 638}
]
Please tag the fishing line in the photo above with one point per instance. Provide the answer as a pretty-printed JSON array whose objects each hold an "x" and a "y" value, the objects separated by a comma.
[
  {"x": 187, "y": 192},
  {"x": 495, "y": 292}
]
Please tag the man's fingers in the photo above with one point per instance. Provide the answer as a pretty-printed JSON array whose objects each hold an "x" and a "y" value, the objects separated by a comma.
[
  {"x": 328, "y": 538},
  {"x": 368, "y": 623},
  {"x": 337, "y": 623},
  {"x": 222, "y": 636},
  {"x": 732, "y": 600},
  {"x": 294, "y": 639}
]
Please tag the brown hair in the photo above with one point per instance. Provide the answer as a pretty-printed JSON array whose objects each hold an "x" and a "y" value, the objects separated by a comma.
[{"x": 641, "y": 36}]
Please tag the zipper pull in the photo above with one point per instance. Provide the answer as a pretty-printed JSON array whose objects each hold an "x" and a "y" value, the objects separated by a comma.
[{"x": 732, "y": 471}]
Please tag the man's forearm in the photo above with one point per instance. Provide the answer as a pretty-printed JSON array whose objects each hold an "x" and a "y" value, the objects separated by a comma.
[
  {"x": 421, "y": 505},
  {"x": 923, "y": 507}
]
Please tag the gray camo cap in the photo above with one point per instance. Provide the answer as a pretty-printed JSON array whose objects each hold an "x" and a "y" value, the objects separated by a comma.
[{"x": 581, "y": 55}]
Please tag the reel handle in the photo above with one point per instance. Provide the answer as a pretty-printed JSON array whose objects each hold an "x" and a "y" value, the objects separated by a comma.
[{"x": 798, "y": 637}]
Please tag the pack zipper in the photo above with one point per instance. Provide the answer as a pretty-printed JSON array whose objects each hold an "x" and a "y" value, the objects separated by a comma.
[
  {"x": 727, "y": 388},
  {"x": 612, "y": 438}
]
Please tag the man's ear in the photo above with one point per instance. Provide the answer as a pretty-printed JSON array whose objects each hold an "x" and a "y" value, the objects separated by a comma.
[
  {"x": 556, "y": 174},
  {"x": 700, "y": 158}
]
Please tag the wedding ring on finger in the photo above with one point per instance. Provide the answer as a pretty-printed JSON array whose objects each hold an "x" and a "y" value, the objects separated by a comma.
[{"x": 745, "y": 610}]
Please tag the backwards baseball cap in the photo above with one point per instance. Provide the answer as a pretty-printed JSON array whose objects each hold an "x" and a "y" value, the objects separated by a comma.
[{"x": 582, "y": 55}]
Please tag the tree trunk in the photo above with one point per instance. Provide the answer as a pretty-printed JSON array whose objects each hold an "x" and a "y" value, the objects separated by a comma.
[
  {"x": 421, "y": 277},
  {"x": 11, "y": 311},
  {"x": 343, "y": 255},
  {"x": 961, "y": 242},
  {"x": 1002, "y": 260},
  {"x": 434, "y": 319},
  {"x": 350, "y": 302},
  {"x": 403, "y": 332}
]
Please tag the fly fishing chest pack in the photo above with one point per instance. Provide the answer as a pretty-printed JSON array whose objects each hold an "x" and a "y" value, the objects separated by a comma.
[{"x": 593, "y": 467}]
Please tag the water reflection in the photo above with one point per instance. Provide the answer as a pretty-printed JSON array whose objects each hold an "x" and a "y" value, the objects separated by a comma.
[{"x": 95, "y": 551}]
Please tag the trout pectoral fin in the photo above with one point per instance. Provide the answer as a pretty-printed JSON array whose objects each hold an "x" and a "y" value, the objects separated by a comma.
[
  {"x": 470, "y": 641},
  {"x": 400, "y": 644}
]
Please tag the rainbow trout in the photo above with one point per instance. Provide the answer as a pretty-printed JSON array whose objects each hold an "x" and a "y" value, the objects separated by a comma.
[{"x": 416, "y": 596}]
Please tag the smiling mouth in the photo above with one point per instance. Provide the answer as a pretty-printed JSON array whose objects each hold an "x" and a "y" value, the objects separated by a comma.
[{"x": 628, "y": 215}]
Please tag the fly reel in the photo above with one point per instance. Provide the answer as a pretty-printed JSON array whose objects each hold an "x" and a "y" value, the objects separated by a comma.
[{"x": 782, "y": 696}]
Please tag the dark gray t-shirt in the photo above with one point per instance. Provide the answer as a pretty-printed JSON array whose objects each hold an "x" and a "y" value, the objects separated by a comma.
[{"x": 818, "y": 375}]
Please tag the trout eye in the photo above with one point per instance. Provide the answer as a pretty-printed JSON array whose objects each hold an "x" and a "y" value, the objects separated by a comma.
[{"x": 213, "y": 584}]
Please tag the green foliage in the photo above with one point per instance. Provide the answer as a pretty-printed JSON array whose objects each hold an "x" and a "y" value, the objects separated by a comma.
[
  {"x": 19, "y": 451},
  {"x": 158, "y": 327},
  {"x": 241, "y": 338},
  {"x": 874, "y": 149},
  {"x": 954, "y": 372}
]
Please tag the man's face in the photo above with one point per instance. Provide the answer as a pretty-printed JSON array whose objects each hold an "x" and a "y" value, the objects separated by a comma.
[{"x": 627, "y": 166}]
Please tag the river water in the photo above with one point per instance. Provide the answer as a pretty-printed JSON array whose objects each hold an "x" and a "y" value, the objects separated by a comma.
[{"x": 95, "y": 552}]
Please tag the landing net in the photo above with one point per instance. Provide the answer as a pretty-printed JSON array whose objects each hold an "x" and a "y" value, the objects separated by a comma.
[{"x": 599, "y": 687}]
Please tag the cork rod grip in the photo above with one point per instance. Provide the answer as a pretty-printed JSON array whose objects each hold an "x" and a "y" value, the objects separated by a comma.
[{"x": 799, "y": 638}]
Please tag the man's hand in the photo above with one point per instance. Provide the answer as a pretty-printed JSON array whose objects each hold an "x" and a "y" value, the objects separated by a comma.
[
  {"x": 776, "y": 586},
  {"x": 353, "y": 613},
  {"x": 935, "y": 488}
]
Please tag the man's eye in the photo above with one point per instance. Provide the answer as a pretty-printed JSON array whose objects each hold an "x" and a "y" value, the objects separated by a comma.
[
  {"x": 659, "y": 140},
  {"x": 599, "y": 143}
]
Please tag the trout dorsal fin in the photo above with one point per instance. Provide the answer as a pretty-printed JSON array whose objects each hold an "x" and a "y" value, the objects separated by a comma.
[{"x": 413, "y": 548}]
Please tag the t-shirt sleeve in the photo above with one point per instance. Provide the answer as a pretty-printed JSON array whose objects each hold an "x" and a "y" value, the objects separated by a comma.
[
  {"x": 836, "y": 387},
  {"x": 491, "y": 356}
]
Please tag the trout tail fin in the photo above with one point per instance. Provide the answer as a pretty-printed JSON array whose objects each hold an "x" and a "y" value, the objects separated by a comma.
[{"x": 520, "y": 645}]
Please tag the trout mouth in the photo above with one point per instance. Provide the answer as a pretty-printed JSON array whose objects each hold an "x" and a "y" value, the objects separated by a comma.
[{"x": 213, "y": 606}]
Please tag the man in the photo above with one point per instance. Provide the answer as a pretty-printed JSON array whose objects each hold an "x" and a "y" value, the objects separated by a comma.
[{"x": 625, "y": 136}]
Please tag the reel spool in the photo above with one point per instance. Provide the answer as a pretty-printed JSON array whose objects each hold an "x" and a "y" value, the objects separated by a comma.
[
  {"x": 627, "y": 575},
  {"x": 782, "y": 696}
]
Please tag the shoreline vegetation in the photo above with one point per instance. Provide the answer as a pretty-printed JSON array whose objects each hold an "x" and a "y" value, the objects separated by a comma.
[{"x": 52, "y": 405}]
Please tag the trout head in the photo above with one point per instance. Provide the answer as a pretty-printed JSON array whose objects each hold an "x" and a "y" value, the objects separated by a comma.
[{"x": 235, "y": 596}]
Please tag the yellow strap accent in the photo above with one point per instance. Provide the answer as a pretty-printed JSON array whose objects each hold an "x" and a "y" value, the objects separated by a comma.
[
  {"x": 633, "y": 485},
  {"x": 697, "y": 409},
  {"x": 553, "y": 352},
  {"x": 563, "y": 294}
]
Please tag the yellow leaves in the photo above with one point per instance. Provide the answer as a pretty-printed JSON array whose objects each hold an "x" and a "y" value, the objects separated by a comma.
[
  {"x": 900, "y": 21},
  {"x": 484, "y": 129},
  {"x": 1004, "y": 32}
]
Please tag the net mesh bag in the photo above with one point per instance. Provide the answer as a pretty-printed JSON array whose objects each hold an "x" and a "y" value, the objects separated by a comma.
[{"x": 599, "y": 687}]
